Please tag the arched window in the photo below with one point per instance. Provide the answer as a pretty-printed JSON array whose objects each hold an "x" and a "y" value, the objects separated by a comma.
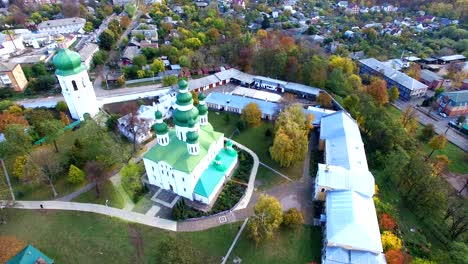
[{"x": 75, "y": 87}]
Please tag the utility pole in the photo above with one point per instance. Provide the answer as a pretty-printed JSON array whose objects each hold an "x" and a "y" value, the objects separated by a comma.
[{"x": 8, "y": 180}]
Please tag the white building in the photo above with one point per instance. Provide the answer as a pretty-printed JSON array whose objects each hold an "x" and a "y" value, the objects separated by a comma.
[
  {"x": 8, "y": 47},
  {"x": 87, "y": 52},
  {"x": 77, "y": 89},
  {"x": 352, "y": 232},
  {"x": 61, "y": 26},
  {"x": 190, "y": 159}
]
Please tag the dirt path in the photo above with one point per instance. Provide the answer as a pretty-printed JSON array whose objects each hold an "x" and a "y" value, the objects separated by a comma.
[{"x": 137, "y": 243}]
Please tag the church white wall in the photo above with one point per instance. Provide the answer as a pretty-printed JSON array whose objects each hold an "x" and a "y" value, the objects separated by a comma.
[{"x": 81, "y": 98}]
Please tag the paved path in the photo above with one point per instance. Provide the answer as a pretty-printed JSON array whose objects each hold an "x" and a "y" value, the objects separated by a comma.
[
  {"x": 275, "y": 171},
  {"x": 73, "y": 195},
  {"x": 100, "y": 209},
  {"x": 225, "y": 258}
]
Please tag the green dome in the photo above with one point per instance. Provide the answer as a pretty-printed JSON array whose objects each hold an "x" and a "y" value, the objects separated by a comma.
[
  {"x": 229, "y": 143},
  {"x": 184, "y": 99},
  {"x": 201, "y": 96},
  {"x": 160, "y": 128},
  {"x": 158, "y": 114},
  {"x": 183, "y": 84},
  {"x": 181, "y": 118},
  {"x": 192, "y": 137},
  {"x": 218, "y": 158},
  {"x": 202, "y": 109},
  {"x": 191, "y": 123},
  {"x": 68, "y": 62}
]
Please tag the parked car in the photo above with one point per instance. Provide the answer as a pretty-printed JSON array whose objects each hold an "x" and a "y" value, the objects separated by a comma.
[{"x": 444, "y": 115}]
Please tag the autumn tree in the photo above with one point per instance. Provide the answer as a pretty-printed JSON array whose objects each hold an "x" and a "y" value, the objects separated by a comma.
[
  {"x": 290, "y": 142},
  {"x": 125, "y": 21},
  {"x": 293, "y": 218},
  {"x": 387, "y": 222},
  {"x": 394, "y": 256},
  {"x": 252, "y": 114},
  {"x": 408, "y": 120},
  {"x": 75, "y": 175},
  {"x": 436, "y": 143},
  {"x": 393, "y": 94},
  {"x": 351, "y": 104},
  {"x": 267, "y": 218},
  {"x": 45, "y": 164},
  {"x": 107, "y": 39},
  {"x": 8, "y": 118},
  {"x": 324, "y": 100},
  {"x": 414, "y": 71},
  {"x": 195, "y": 98},
  {"x": 390, "y": 241},
  {"x": 18, "y": 141},
  {"x": 9, "y": 247},
  {"x": 157, "y": 66},
  {"x": 378, "y": 90},
  {"x": 95, "y": 173}
]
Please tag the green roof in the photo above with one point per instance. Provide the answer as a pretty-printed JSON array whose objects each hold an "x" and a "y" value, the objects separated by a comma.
[
  {"x": 29, "y": 255},
  {"x": 192, "y": 137},
  {"x": 182, "y": 118},
  {"x": 160, "y": 128},
  {"x": 183, "y": 84},
  {"x": 214, "y": 174},
  {"x": 202, "y": 109},
  {"x": 201, "y": 96},
  {"x": 176, "y": 154},
  {"x": 68, "y": 62},
  {"x": 158, "y": 114}
]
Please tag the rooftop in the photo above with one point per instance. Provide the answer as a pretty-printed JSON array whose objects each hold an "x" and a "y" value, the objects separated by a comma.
[
  {"x": 30, "y": 255},
  {"x": 429, "y": 76},
  {"x": 452, "y": 57},
  {"x": 457, "y": 97},
  {"x": 334, "y": 255},
  {"x": 257, "y": 94},
  {"x": 393, "y": 74},
  {"x": 6, "y": 66},
  {"x": 61, "y": 22},
  {"x": 87, "y": 51},
  {"x": 240, "y": 102}
]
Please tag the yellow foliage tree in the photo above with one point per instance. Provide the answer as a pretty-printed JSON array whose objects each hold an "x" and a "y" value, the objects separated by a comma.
[
  {"x": 267, "y": 218},
  {"x": 252, "y": 114},
  {"x": 390, "y": 241},
  {"x": 324, "y": 100},
  {"x": 343, "y": 63},
  {"x": 378, "y": 90},
  {"x": 18, "y": 167},
  {"x": 9, "y": 247}
]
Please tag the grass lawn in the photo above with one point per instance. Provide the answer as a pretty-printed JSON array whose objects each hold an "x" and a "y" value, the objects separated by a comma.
[
  {"x": 220, "y": 124},
  {"x": 267, "y": 178},
  {"x": 108, "y": 192},
  {"x": 144, "y": 204},
  {"x": 289, "y": 246},
  {"x": 78, "y": 237},
  {"x": 43, "y": 191}
]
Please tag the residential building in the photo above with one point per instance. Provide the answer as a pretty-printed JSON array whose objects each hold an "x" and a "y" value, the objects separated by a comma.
[
  {"x": 453, "y": 103},
  {"x": 122, "y": 2},
  {"x": 148, "y": 30},
  {"x": 10, "y": 45},
  {"x": 240, "y": 3},
  {"x": 451, "y": 58},
  {"x": 352, "y": 9},
  {"x": 129, "y": 53},
  {"x": 30, "y": 255},
  {"x": 12, "y": 76},
  {"x": 431, "y": 79},
  {"x": 190, "y": 160},
  {"x": 408, "y": 87},
  {"x": 87, "y": 52},
  {"x": 344, "y": 182},
  {"x": 62, "y": 26},
  {"x": 282, "y": 86},
  {"x": 342, "y": 4}
]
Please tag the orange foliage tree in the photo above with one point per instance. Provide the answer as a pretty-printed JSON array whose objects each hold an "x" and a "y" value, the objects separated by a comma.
[
  {"x": 7, "y": 119},
  {"x": 394, "y": 256},
  {"x": 378, "y": 90},
  {"x": 387, "y": 223},
  {"x": 9, "y": 247}
]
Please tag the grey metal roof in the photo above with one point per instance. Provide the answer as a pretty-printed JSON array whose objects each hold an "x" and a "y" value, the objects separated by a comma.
[
  {"x": 88, "y": 50},
  {"x": 395, "y": 75},
  {"x": 457, "y": 97},
  {"x": 235, "y": 74},
  {"x": 302, "y": 88},
  {"x": 452, "y": 57},
  {"x": 270, "y": 80},
  {"x": 429, "y": 76},
  {"x": 240, "y": 102},
  {"x": 61, "y": 22},
  {"x": 130, "y": 52},
  {"x": 202, "y": 82}
]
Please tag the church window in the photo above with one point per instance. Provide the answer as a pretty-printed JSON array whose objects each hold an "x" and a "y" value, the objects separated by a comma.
[
  {"x": 183, "y": 179},
  {"x": 185, "y": 190},
  {"x": 172, "y": 176},
  {"x": 152, "y": 168},
  {"x": 75, "y": 87}
]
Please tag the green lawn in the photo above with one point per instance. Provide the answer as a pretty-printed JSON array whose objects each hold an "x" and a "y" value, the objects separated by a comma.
[
  {"x": 142, "y": 84},
  {"x": 221, "y": 124},
  {"x": 144, "y": 204},
  {"x": 289, "y": 246},
  {"x": 43, "y": 191},
  {"x": 78, "y": 237},
  {"x": 108, "y": 192},
  {"x": 267, "y": 178}
]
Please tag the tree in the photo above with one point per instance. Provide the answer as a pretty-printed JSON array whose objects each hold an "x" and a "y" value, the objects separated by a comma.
[
  {"x": 52, "y": 130},
  {"x": 131, "y": 179},
  {"x": 427, "y": 132},
  {"x": 324, "y": 100},
  {"x": 345, "y": 64},
  {"x": 169, "y": 80},
  {"x": 337, "y": 82},
  {"x": 267, "y": 218},
  {"x": 135, "y": 125},
  {"x": 18, "y": 167},
  {"x": 18, "y": 141},
  {"x": 439, "y": 164},
  {"x": 458, "y": 252},
  {"x": 121, "y": 81},
  {"x": 130, "y": 9},
  {"x": 96, "y": 173},
  {"x": 387, "y": 223},
  {"x": 75, "y": 175},
  {"x": 461, "y": 119},
  {"x": 9, "y": 247},
  {"x": 390, "y": 241},
  {"x": 355, "y": 81},
  {"x": 265, "y": 22},
  {"x": 394, "y": 256},
  {"x": 9, "y": 119},
  {"x": 107, "y": 39},
  {"x": 252, "y": 114},
  {"x": 47, "y": 164},
  {"x": 61, "y": 106},
  {"x": 436, "y": 143},
  {"x": 378, "y": 90},
  {"x": 139, "y": 60},
  {"x": 42, "y": 83},
  {"x": 393, "y": 94},
  {"x": 351, "y": 103},
  {"x": 293, "y": 218},
  {"x": 414, "y": 71},
  {"x": 100, "y": 57},
  {"x": 192, "y": 43},
  {"x": 408, "y": 120},
  {"x": 157, "y": 66},
  {"x": 125, "y": 21},
  {"x": 88, "y": 27},
  {"x": 196, "y": 101}
]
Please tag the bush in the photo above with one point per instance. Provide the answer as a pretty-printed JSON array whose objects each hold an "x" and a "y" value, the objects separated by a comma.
[
  {"x": 390, "y": 241},
  {"x": 394, "y": 256},
  {"x": 4, "y": 104},
  {"x": 131, "y": 180},
  {"x": 268, "y": 132},
  {"x": 241, "y": 125},
  {"x": 61, "y": 106},
  {"x": 242, "y": 172},
  {"x": 293, "y": 218},
  {"x": 75, "y": 175}
]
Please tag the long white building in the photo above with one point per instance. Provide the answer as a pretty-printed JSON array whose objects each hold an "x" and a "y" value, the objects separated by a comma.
[{"x": 61, "y": 26}]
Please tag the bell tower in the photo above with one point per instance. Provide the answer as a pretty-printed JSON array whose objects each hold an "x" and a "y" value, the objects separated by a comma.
[{"x": 77, "y": 89}]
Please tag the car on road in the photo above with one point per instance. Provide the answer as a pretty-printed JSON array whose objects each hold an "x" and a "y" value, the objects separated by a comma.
[{"x": 444, "y": 115}]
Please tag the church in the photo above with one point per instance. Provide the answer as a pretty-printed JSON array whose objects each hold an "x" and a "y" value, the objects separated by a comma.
[{"x": 190, "y": 159}]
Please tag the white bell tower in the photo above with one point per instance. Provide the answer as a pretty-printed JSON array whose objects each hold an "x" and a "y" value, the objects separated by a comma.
[{"x": 77, "y": 89}]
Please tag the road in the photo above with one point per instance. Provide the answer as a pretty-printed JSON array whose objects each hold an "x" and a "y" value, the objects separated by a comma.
[{"x": 440, "y": 123}]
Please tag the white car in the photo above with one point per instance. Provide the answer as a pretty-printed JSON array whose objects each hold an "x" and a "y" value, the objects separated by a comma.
[{"x": 443, "y": 114}]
